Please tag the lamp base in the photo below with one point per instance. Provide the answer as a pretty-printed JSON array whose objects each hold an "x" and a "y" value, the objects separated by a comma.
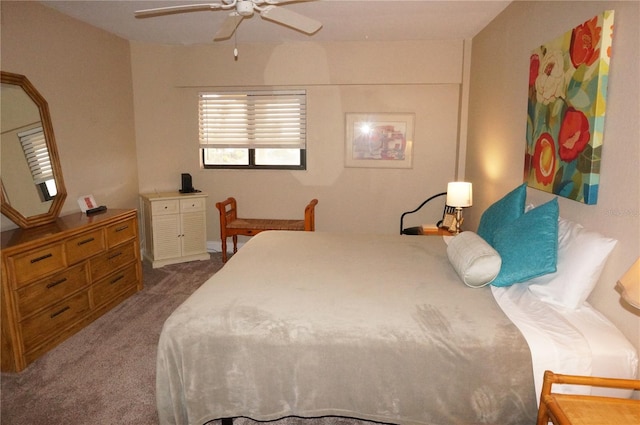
[{"x": 458, "y": 220}]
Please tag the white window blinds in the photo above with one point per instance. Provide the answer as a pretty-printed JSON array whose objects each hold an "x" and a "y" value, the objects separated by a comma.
[
  {"x": 35, "y": 150},
  {"x": 259, "y": 119}
]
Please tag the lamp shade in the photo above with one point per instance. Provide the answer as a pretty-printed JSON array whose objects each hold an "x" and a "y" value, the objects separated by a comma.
[
  {"x": 629, "y": 285},
  {"x": 459, "y": 194}
]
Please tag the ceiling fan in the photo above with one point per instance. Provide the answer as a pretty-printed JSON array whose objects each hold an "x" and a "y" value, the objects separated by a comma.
[{"x": 241, "y": 9}]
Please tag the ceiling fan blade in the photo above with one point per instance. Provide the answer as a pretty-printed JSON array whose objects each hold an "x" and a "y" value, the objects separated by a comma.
[
  {"x": 228, "y": 27},
  {"x": 291, "y": 19},
  {"x": 149, "y": 13},
  {"x": 283, "y": 1}
]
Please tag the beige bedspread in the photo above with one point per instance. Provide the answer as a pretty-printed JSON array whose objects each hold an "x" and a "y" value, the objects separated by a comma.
[{"x": 367, "y": 326}]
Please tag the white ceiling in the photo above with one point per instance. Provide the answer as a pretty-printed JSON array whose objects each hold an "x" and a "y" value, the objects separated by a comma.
[{"x": 342, "y": 20}]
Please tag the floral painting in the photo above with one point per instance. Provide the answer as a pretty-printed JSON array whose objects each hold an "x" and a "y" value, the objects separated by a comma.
[
  {"x": 379, "y": 140},
  {"x": 566, "y": 108}
]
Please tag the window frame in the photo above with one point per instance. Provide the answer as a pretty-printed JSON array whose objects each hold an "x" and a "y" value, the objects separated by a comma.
[
  {"x": 249, "y": 145},
  {"x": 252, "y": 165},
  {"x": 36, "y": 153}
]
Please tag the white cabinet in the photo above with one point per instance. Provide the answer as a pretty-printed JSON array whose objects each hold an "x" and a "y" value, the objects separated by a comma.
[{"x": 175, "y": 227}]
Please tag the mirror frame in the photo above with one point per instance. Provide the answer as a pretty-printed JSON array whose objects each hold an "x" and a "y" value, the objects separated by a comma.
[{"x": 58, "y": 200}]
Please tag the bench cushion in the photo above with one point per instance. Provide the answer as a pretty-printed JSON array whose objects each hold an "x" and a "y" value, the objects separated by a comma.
[{"x": 266, "y": 224}]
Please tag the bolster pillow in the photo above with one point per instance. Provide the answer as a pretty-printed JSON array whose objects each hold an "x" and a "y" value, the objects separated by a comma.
[{"x": 475, "y": 261}]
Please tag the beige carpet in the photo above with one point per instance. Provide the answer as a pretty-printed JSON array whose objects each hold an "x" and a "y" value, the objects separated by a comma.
[{"x": 105, "y": 374}]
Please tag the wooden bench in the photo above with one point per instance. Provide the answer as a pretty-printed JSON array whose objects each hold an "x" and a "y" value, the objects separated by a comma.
[{"x": 232, "y": 226}]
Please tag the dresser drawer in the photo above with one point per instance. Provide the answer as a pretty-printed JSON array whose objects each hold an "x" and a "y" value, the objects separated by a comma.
[
  {"x": 51, "y": 321},
  {"x": 33, "y": 297},
  {"x": 37, "y": 263},
  {"x": 121, "y": 232},
  {"x": 107, "y": 288},
  {"x": 107, "y": 263},
  {"x": 84, "y": 246},
  {"x": 171, "y": 206},
  {"x": 192, "y": 204}
]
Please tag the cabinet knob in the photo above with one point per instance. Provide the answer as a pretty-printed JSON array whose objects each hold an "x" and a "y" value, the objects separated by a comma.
[
  {"x": 43, "y": 257},
  {"x": 86, "y": 241},
  {"x": 56, "y": 283},
  {"x": 59, "y": 312}
]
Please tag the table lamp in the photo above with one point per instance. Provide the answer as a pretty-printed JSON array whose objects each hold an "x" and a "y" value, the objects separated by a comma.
[
  {"x": 629, "y": 285},
  {"x": 459, "y": 196}
]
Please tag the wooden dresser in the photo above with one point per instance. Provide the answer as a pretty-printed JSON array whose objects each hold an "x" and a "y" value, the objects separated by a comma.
[{"x": 58, "y": 278}]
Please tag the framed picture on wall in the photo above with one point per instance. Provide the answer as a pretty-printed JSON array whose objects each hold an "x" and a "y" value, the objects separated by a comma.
[
  {"x": 379, "y": 140},
  {"x": 566, "y": 106}
]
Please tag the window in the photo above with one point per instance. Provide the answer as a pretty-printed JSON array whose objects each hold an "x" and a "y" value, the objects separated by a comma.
[
  {"x": 36, "y": 152},
  {"x": 258, "y": 129}
]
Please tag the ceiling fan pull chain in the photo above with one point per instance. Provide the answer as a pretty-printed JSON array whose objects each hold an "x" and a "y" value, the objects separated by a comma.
[{"x": 235, "y": 46}]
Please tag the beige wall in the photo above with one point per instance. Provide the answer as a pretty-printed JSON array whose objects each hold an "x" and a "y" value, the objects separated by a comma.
[
  {"x": 423, "y": 78},
  {"x": 497, "y": 122},
  {"x": 85, "y": 75}
]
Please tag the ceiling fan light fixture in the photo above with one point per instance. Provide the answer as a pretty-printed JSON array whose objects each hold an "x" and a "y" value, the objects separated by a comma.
[{"x": 244, "y": 7}]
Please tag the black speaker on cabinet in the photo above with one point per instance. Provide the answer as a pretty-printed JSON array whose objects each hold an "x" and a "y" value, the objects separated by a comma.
[{"x": 187, "y": 184}]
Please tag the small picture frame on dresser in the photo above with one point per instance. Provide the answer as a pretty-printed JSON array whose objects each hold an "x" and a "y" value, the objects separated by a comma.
[{"x": 87, "y": 202}]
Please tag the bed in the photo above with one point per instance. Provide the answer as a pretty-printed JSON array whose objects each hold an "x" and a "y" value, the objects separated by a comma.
[{"x": 374, "y": 327}]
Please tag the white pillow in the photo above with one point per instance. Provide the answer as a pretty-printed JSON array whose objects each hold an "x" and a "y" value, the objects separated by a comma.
[
  {"x": 582, "y": 255},
  {"x": 475, "y": 261}
]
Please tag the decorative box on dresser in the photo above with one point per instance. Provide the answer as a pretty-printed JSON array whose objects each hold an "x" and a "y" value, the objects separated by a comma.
[
  {"x": 58, "y": 278},
  {"x": 175, "y": 227}
]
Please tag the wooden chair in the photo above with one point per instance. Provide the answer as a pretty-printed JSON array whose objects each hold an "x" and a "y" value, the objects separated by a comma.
[
  {"x": 571, "y": 409},
  {"x": 232, "y": 226}
]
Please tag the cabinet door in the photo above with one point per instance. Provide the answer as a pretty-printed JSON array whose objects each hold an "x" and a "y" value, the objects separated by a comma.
[
  {"x": 194, "y": 233},
  {"x": 166, "y": 236}
]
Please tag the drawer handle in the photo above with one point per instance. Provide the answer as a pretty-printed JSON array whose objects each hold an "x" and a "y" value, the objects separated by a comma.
[
  {"x": 117, "y": 279},
  {"x": 86, "y": 241},
  {"x": 111, "y": 257},
  {"x": 59, "y": 312},
  {"x": 56, "y": 283},
  {"x": 44, "y": 257},
  {"x": 120, "y": 229}
]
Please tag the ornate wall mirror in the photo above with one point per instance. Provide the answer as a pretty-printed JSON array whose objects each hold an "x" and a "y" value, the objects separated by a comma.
[{"x": 33, "y": 190}]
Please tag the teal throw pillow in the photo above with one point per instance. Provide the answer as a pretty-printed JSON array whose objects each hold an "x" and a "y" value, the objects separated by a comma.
[
  {"x": 502, "y": 212},
  {"x": 528, "y": 246}
]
